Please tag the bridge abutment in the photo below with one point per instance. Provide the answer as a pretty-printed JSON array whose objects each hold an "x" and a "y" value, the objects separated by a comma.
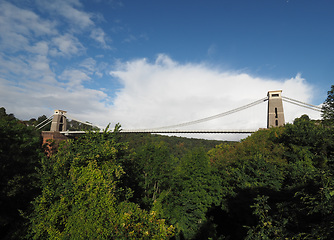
[{"x": 56, "y": 136}]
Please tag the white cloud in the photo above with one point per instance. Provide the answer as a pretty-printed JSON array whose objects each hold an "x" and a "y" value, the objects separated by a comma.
[
  {"x": 165, "y": 92},
  {"x": 29, "y": 81},
  {"x": 70, "y": 11},
  {"x": 19, "y": 27},
  {"x": 132, "y": 38},
  {"x": 33, "y": 98},
  {"x": 74, "y": 77},
  {"x": 67, "y": 45},
  {"x": 99, "y": 35},
  {"x": 89, "y": 64},
  {"x": 40, "y": 48},
  {"x": 24, "y": 21},
  {"x": 153, "y": 94},
  {"x": 74, "y": 16}
]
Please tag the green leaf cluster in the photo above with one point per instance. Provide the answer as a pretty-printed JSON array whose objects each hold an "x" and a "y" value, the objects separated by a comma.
[
  {"x": 83, "y": 195},
  {"x": 180, "y": 185},
  {"x": 278, "y": 183},
  {"x": 328, "y": 107}
]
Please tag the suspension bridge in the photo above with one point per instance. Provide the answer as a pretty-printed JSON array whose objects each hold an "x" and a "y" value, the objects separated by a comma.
[{"x": 275, "y": 118}]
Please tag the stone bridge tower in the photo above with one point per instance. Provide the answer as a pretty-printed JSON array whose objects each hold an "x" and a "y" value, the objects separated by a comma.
[
  {"x": 59, "y": 121},
  {"x": 275, "y": 109},
  {"x": 58, "y": 125}
]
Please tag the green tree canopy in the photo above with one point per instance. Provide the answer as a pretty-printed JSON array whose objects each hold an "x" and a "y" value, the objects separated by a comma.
[
  {"x": 328, "y": 107},
  {"x": 194, "y": 189},
  {"x": 20, "y": 152},
  {"x": 83, "y": 195}
]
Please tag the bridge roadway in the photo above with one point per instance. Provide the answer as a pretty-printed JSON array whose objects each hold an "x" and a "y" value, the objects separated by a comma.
[{"x": 162, "y": 131}]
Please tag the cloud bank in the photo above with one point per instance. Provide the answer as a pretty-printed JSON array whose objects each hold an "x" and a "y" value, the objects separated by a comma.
[
  {"x": 160, "y": 93},
  {"x": 164, "y": 92}
]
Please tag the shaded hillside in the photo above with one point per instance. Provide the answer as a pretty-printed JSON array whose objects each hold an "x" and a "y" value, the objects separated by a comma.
[{"x": 177, "y": 145}]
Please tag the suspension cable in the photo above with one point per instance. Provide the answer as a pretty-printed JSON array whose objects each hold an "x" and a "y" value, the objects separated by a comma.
[
  {"x": 44, "y": 121},
  {"x": 50, "y": 120},
  {"x": 300, "y": 105},
  {"x": 303, "y": 103},
  {"x": 216, "y": 116},
  {"x": 286, "y": 99},
  {"x": 86, "y": 123}
]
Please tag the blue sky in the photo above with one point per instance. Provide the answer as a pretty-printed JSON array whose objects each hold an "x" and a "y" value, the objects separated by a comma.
[{"x": 154, "y": 63}]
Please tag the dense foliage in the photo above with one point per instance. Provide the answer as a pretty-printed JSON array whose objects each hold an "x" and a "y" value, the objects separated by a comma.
[
  {"x": 20, "y": 153},
  {"x": 328, "y": 107},
  {"x": 275, "y": 184},
  {"x": 83, "y": 195},
  {"x": 279, "y": 183}
]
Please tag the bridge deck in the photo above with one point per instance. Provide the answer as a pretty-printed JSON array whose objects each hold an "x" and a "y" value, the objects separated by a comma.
[{"x": 172, "y": 131}]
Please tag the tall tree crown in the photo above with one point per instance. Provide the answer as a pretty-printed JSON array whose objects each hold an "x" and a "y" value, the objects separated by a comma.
[{"x": 328, "y": 106}]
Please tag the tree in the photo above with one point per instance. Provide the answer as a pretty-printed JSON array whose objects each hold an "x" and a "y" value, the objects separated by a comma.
[
  {"x": 267, "y": 228},
  {"x": 309, "y": 150},
  {"x": 84, "y": 197},
  {"x": 151, "y": 169},
  {"x": 195, "y": 188},
  {"x": 328, "y": 107},
  {"x": 3, "y": 112},
  {"x": 302, "y": 207},
  {"x": 20, "y": 153},
  {"x": 306, "y": 140}
]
